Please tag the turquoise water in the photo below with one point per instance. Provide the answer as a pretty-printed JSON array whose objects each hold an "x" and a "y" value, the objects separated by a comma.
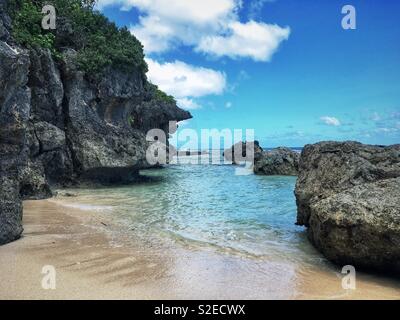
[
  {"x": 209, "y": 206},
  {"x": 213, "y": 233}
]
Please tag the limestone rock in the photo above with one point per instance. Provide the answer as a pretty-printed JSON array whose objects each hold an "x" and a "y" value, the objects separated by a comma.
[
  {"x": 348, "y": 196},
  {"x": 280, "y": 161}
]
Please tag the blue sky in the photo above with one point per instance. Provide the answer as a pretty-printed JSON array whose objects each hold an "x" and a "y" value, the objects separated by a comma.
[{"x": 285, "y": 68}]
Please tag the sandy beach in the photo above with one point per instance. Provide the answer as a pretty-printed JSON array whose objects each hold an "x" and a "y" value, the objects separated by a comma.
[{"x": 93, "y": 259}]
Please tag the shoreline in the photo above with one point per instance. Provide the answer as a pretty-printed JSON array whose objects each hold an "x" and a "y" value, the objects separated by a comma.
[{"x": 94, "y": 259}]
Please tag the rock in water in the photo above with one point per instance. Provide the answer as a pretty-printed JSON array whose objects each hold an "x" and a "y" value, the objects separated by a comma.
[
  {"x": 243, "y": 151},
  {"x": 348, "y": 196},
  {"x": 280, "y": 161}
]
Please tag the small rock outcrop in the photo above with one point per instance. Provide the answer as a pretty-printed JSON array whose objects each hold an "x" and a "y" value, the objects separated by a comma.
[
  {"x": 280, "y": 161},
  {"x": 243, "y": 151},
  {"x": 348, "y": 196}
]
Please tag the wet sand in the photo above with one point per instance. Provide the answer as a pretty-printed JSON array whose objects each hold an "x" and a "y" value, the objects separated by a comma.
[{"x": 96, "y": 259}]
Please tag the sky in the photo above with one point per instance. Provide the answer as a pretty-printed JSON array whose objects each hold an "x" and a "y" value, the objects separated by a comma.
[{"x": 285, "y": 68}]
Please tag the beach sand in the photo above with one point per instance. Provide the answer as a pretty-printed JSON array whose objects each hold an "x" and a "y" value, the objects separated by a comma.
[{"x": 94, "y": 259}]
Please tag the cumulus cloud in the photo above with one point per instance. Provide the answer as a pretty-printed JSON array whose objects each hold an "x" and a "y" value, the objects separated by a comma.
[
  {"x": 188, "y": 104},
  {"x": 185, "y": 82},
  {"x": 209, "y": 26},
  {"x": 330, "y": 121},
  {"x": 258, "y": 41}
]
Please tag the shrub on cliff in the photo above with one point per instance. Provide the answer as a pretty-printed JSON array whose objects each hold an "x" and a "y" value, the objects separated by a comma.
[
  {"x": 99, "y": 42},
  {"x": 161, "y": 96}
]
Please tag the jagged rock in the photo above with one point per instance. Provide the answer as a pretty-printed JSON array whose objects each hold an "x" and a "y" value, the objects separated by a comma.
[
  {"x": 280, "y": 161},
  {"x": 98, "y": 132},
  {"x": 348, "y": 195},
  {"x": 10, "y": 207},
  {"x": 102, "y": 138},
  {"x": 50, "y": 137},
  {"x": 154, "y": 114},
  {"x": 48, "y": 150},
  {"x": 14, "y": 117},
  {"x": 59, "y": 125},
  {"x": 243, "y": 151},
  {"x": 47, "y": 88},
  {"x": 5, "y": 22},
  {"x": 33, "y": 184}
]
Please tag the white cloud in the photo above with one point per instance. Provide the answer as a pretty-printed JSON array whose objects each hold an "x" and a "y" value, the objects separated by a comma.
[
  {"x": 188, "y": 104},
  {"x": 185, "y": 82},
  {"x": 192, "y": 11},
  {"x": 331, "y": 121},
  {"x": 228, "y": 105},
  {"x": 209, "y": 26},
  {"x": 258, "y": 41}
]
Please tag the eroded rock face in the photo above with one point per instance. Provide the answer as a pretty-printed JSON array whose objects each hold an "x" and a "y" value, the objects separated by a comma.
[
  {"x": 14, "y": 117},
  {"x": 348, "y": 196},
  {"x": 98, "y": 132},
  {"x": 5, "y": 22},
  {"x": 280, "y": 161},
  {"x": 59, "y": 125}
]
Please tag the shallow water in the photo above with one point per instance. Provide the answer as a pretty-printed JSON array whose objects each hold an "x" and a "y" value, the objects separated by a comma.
[
  {"x": 209, "y": 206},
  {"x": 227, "y": 231}
]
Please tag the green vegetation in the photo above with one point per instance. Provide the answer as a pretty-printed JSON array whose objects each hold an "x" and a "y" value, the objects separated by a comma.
[
  {"x": 27, "y": 28},
  {"x": 131, "y": 120},
  {"x": 161, "y": 96},
  {"x": 98, "y": 42}
]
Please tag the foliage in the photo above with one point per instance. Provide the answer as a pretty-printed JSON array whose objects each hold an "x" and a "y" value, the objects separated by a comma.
[
  {"x": 161, "y": 96},
  {"x": 27, "y": 28},
  {"x": 131, "y": 120},
  {"x": 98, "y": 42}
]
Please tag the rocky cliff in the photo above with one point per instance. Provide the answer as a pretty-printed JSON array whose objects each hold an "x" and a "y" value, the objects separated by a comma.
[
  {"x": 348, "y": 196},
  {"x": 60, "y": 125}
]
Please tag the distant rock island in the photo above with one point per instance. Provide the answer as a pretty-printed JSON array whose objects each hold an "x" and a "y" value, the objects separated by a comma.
[{"x": 280, "y": 161}]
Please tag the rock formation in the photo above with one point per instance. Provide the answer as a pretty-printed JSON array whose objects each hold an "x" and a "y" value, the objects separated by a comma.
[
  {"x": 348, "y": 196},
  {"x": 59, "y": 125},
  {"x": 280, "y": 161},
  {"x": 243, "y": 151}
]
